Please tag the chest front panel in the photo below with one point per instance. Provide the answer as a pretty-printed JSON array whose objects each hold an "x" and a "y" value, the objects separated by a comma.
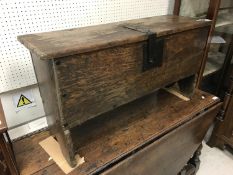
[{"x": 96, "y": 82}]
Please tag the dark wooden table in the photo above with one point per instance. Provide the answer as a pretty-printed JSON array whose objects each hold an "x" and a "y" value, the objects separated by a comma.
[
  {"x": 154, "y": 135},
  {"x": 7, "y": 159}
]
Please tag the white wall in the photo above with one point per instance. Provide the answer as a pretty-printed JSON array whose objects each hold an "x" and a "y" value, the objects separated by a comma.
[{"x": 23, "y": 117}]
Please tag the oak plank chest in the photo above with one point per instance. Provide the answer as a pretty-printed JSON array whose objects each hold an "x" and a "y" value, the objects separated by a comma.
[{"x": 85, "y": 72}]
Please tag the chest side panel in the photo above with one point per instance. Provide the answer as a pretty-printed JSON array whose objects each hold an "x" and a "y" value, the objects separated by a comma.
[{"x": 96, "y": 82}]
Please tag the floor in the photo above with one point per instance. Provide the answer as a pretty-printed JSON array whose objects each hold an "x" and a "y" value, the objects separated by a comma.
[{"x": 215, "y": 162}]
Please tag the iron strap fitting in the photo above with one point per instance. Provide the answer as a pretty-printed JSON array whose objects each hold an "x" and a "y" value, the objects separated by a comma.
[{"x": 152, "y": 50}]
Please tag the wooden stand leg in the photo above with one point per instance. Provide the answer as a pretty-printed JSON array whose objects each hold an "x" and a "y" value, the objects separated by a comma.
[
  {"x": 66, "y": 144},
  {"x": 195, "y": 160}
]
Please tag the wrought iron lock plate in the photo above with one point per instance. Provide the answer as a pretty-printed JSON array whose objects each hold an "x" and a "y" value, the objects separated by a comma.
[{"x": 152, "y": 50}]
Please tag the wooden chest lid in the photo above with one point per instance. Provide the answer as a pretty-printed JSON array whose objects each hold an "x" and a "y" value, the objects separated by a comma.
[{"x": 80, "y": 40}]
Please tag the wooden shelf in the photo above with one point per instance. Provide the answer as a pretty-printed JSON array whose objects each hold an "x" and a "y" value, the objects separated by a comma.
[
  {"x": 225, "y": 8},
  {"x": 224, "y": 19},
  {"x": 228, "y": 29},
  {"x": 214, "y": 63},
  {"x": 223, "y": 23}
]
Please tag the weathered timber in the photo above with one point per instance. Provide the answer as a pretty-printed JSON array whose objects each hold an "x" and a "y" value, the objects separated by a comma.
[
  {"x": 86, "y": 72},
  {"x": 94, "y": 83}
]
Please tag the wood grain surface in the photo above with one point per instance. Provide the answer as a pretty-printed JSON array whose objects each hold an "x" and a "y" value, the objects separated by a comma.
[
  {"x": 47, "y": 86},
  {"x": 93, "y": 83},
  {"x": 184, "y": 140},
  {"x": 30, "y": 156},
  {"x": 80, "y": 40}
]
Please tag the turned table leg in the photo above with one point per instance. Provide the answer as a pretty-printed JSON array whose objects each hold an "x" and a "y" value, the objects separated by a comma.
[
  {"x": 193, "y": 164},
  {"x": 195, "y": 160}
]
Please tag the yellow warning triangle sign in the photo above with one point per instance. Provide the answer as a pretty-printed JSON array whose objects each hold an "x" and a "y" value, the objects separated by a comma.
[{"x": 23, "y": 101}]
